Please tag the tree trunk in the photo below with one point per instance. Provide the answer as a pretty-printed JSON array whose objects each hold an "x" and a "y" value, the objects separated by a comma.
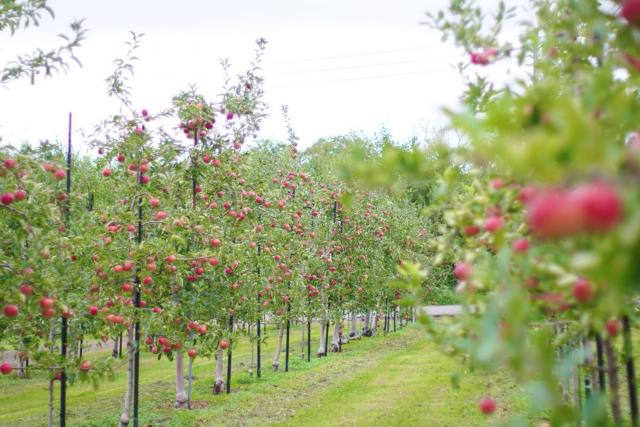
[
  {"x": 614, "y": 388},
  {"x": 367, "y": 321},
  {"x": 181, "y": 396},
  {"x": 114, "y": 352},
  {"x": 219, "y": 381},
  {"x": 252, "y": 342},
  {"x": 353, "y": 334},
  {"x": 321, "y": 348},
  {"x": 302, "y": 341},
  {"x": 276, "y": 357},
  {"x": 126, "y": 411},
  {"x": 335, "y": 338}
]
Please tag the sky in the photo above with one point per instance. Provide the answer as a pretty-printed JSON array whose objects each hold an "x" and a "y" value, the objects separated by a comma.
[{"x": 340, "y": 66}]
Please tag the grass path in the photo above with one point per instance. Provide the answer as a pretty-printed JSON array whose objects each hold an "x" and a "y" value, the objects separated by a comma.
[{"x": 395, "y": 380}]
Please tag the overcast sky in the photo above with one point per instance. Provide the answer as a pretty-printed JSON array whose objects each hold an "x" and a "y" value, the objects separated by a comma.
[{"x": 341, "y": 66}]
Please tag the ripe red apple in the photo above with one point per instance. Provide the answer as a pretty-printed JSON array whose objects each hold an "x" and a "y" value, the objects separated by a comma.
[
  {"x": 11, "y": 310},
  {"x": 147, "y": 280},
  {"x": 20, "y": 195},
  {"x": 10, "y": 163},
  {"x": 553, "y": 214},
  {"x": 154, "y": 202},
  {"x": 520, "y": 245},
  {"x": 5, "y": 368},
  {"x": 471, "y": 230},
  {"x": 631, "y": 11},
  {"x": 93, "y": 310},
  {"x": 161, "y": 215},
  {"x": 224, "y": 344},
  {"x": 46, "y": 303},
  {"x": 215, "y": 242},
  {"x": 144, "y": 179},
  {"x": 583, "y": 291},
  {"x": 7, "y": 198},
  {"x": 59, "y": 174},
  {"x": 192, "y": 352},
  {"x": 26, "y": 289},
  {"x": 85, "y": 365},
  {"x": 463, "y": 271},
  {"x": 600, "y": 204},
  {"x": 106, "y": 172},
  {"x": 493, "y": 223},
  {"x": 487, "y": 406},
  {"x": 613, "y": 327}
]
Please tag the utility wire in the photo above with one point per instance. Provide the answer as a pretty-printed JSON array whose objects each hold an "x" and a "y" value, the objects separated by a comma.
[
  {"x": 349, "y": 55},
  {"x": 379, "y": 64},
  {"x": 383, "y": 76}
]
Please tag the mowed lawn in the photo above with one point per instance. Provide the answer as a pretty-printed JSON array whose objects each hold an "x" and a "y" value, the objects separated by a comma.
[{"x": 398, "y": 379}]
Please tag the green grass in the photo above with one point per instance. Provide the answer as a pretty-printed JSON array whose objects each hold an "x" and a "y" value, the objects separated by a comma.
[{"x": 400, "y": 379}]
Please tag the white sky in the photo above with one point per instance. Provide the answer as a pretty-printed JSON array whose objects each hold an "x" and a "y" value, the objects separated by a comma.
[{"x": 341, "y": 66}]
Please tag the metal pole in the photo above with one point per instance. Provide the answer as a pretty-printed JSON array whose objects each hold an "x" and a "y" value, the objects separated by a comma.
[
  {"x": 229, "y": 355},
  {"x": 258, "y": 329},
  {"x": 63, "y": 334},
  {"x": 602, "y": 382},
  {"x": 136, "y": 343},
  {"x": 326, "y": 338},
  {"x": 631, "y": 373},
  {"x": 259, "y": 315}
]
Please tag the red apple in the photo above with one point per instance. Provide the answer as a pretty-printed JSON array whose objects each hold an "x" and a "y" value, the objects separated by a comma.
[
  {"x": 192, "y": 352},
  {"x": 583, "y": 291},
  {"x": 520, "y": 245},
  {"x": 20, "y": 195},
  {"x": 11, "y": 310},
  {"x": 463, "y": 271},
  {"x": 600, "y": 204},
  {"x": 224, "y": 344},
  {"x": 487, "y": 406},
  {"x": 631, "y": 11},
  {"x": 85, "y": 365},
  {"x": 7, "y": 198},
  {"x": 5, "y": 368},
  {"x": 613, "y": 327},
  {"x": 10, "y": 163},
  {"x": 106, "y": 172}
]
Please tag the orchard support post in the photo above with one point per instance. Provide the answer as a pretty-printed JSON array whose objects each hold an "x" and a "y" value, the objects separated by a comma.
[
  {"x": 136, "y": 342},
  {"x": 394, "y": 319},
  {"x": 258, "y": 373},
  {"x": 326, "y": 337},
  {"x": 63, "y": 331},
  {"x": 229, "y": 355},
  {"x": 631, "y": 372},
  {"x": 602, "y": 381},
  {"x": 258, "y": 347}
]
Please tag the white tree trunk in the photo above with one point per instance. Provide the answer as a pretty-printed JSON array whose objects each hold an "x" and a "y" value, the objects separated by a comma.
[
  {"x": 302, "y": 342},
  {"x": 181, "y": 395},
  {"x": 276, "y": 357},
  {"x": 219, "y": 382},
  {"x": 252, "y": 342},
  {"x": 126, "y": 411},
  {"x": 367, "y": 321},
  {"x": 321, "y": 348},
  {"x": 335, "y": 338},
  {"x": 353, "y": 333}
]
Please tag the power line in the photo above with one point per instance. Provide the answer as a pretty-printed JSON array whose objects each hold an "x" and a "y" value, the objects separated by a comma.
[
  {"x": 349, "y": 55},
  {"x": 383, "y": 76},
  {"x": 380, "y": 64}
]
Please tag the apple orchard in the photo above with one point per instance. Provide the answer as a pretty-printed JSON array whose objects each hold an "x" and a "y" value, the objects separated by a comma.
[{"x": 184, "y": 230}]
